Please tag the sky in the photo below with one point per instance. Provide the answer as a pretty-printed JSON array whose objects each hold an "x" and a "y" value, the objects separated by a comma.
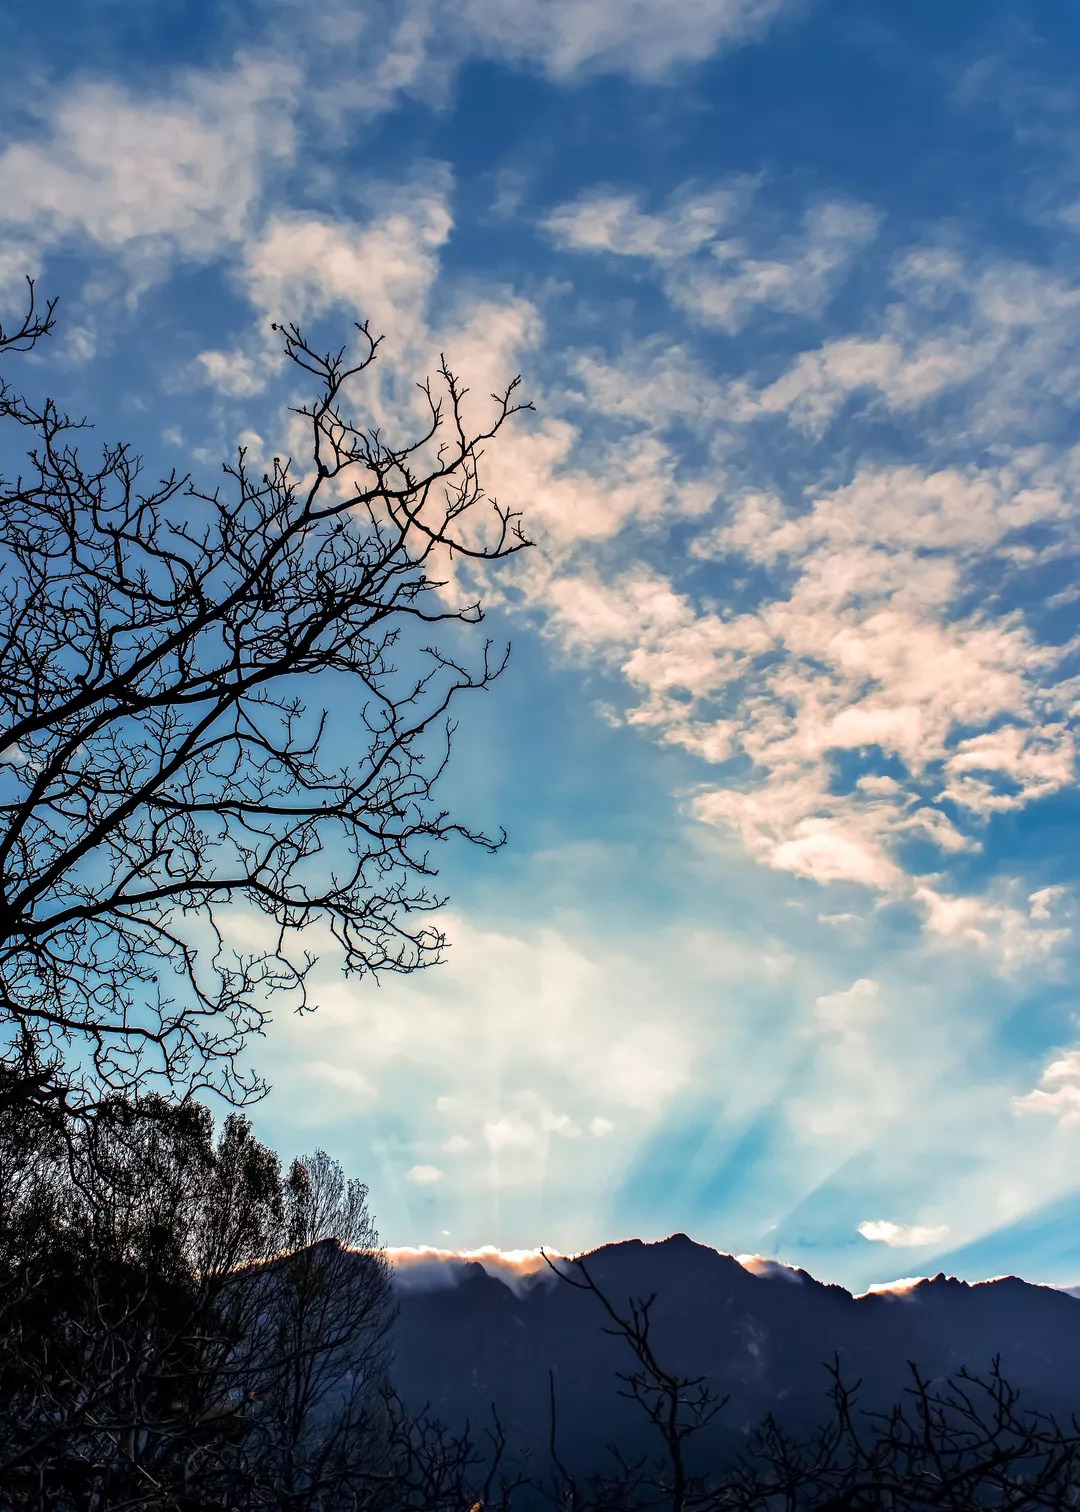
[{"x": 782, "y": 948}]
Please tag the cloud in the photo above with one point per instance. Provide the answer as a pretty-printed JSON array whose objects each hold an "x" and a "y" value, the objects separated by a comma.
[
  {"x": 799, "y": 280},
  {"x": 572, "y": 1055},
  {"x": 615, "y": 223},
  {"x": 343, "y": 1078},
  {"x": 770, "y": 1269},
  {"x": 902, "y": 1236},
  {"x": 380, "y": 268},
  {"x": 864, "y": 647},
  {"x": 1058, "y": 1093},
  {"x": 721, "y": 280},
  {"x": 902, "y": 1287},
  {"x": 887, "y": 690},
  {"x": 1021, "y": 935},
  {"x": 428, "y": 1268},
  {"x": 853, "y": 656},
  {"x": 865, "y": 1073},
  {"x": 150, "y": 178},
  {"x": 992, "y": 328},
  {"x": 902, "y": 372},
  {"x": 306, "y": 264},
  {"x": 658, "y": 383},
  {"x": 642, "y": 38},
  {"x": 842, "y": 1012},
  {"x": 365, "y": 58},
  {"x": 423, "y": 1175},
  {"x": 872, "y": 702}
]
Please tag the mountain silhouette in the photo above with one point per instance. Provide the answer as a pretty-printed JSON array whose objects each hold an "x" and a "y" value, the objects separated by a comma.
[{"x": 760, "y": 1337}]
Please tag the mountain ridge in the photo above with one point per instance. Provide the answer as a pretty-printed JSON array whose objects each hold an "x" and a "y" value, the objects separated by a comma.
[{"x": 761, "y": 1336}]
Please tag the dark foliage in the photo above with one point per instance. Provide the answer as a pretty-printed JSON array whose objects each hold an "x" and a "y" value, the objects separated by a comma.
[{"x": 182, "y": 1324}]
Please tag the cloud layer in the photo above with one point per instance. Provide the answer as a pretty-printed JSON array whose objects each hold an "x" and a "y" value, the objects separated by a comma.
[{"x": 803, "y": 486}]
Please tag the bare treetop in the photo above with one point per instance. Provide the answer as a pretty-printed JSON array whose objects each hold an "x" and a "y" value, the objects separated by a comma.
[{"x": 160, "y": 766}]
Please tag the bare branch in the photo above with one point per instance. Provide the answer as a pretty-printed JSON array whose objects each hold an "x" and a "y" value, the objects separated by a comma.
[{"x": 162, "y": 775}]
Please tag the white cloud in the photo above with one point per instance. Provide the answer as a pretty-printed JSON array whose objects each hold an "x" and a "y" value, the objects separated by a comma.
[
  {"x": 902, "y": 1236},
  {"x": 878, "y": 701},
  {"x": 842, "y": 1012},
  {"x": 646, "y": 39},
  {"x": 901, "y": 1287},
  {"x": 654, "y": 384},
  {"x": 866, "y": 1073},
  {"x": 859, "y": 671},
  {"x": 871, "y": 697},
  {"x": 305, "y": 265},
  {"x": 423, "y": 1175},
  {"x": 1004, "y": 331},
  {"x": 533, "y": 1048},
  {"x": 20, "y": 259},
  {"x": 1041, "y": 904},
  {"x": 345, "y": 1079},
  {"x": 721, "y": 280},
  {"x": 770, "y": 1269},
  {"x": 862, "y": 647},
  {"x": 609, "y": 222},
  {"x": 1019, "y": 934},
  {"x": 364, "y": 57},
  {"x": 151, "y": 177},
  {"x": 1058, "y": 1093},
  {"x": 820, "y": 847},
  {"x": 904, "y": 373},
  {"x": 866, "y": 647},
  {"x": 236, "y": 374},
  {"x": 799, "y": 279},
  {"x": 569, "y": 505},
  {"x": 380, "y": 268}
]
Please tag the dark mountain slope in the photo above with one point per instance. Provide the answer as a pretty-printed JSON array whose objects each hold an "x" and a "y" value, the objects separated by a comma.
[{"x": 762, "y": 1339}]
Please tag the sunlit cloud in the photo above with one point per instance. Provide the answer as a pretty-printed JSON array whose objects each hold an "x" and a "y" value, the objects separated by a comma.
[
  {"x": 429, "y": 1268},
  {"x": 903, "y": 1235},
  {"x": 900, "y": 1288}
]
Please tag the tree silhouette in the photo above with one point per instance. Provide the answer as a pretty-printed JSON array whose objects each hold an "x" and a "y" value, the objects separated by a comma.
[
  {"x": 183, "y": 1324},
  {"x": 162, "y": 775}
]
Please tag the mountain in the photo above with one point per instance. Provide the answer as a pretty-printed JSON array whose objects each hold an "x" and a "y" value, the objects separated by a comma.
[{"x": 761, "y": 1338}]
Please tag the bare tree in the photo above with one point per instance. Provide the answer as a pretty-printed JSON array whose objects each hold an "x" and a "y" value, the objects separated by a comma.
[
  {"x": 954, "y": 1444},
  {"x": 429, "y": 1468},
  {"x": 160, "y": 768},
  {"x": 678, "y": 1407}
]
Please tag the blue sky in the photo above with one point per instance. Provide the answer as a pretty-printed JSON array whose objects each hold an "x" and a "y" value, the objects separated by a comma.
[{"x": 781, "y": 950}]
